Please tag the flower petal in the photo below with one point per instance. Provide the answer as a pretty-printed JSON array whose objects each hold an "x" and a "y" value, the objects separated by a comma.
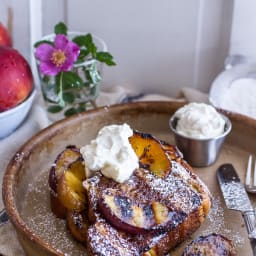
[
  {"x": 67, "y": 66},
  {"x": 72, "y": 51},
  {"x": 60, "y": 42},
  {"x": 48, "y": 68},
  {"x": 44, "y": 52}
]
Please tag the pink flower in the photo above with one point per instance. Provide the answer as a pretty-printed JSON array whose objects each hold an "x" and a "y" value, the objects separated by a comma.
[{"x": 59, "y": 57}]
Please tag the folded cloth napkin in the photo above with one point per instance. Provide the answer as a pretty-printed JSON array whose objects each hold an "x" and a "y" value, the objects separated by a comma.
[{"x": 37, "y": 120}]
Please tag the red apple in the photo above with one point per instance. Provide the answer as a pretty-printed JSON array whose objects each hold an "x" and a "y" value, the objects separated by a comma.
[
  {"x": 16, "y": 81},
  {"x": 5, "y": 38}
]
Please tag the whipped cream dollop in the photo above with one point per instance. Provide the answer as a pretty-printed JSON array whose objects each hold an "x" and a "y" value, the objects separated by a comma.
[
  {"x": 199, "y": 121},
  {"x": 111, "y": 153}
]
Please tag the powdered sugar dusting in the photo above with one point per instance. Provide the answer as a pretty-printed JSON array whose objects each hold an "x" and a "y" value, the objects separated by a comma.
[
  {"x": 37, "y": 214},
  {"x": 216, "y": 224}
]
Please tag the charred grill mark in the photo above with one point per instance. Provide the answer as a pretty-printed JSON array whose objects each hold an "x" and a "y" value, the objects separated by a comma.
[
  {"x": 145, "y": 152},
  {"x": 176, "y": 218},
  {"x": 124, "y": 205},
  {"x": 147, "y": 209},
  {"x": 146, "y": 155},
  {"x": 144, "y": 166},
  {"x": 195, "y": 200},
  {"x": 144, "y": 135}
]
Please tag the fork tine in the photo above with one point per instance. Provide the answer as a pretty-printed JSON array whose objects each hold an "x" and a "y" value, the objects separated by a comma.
[{"x": 248, "y": 172}]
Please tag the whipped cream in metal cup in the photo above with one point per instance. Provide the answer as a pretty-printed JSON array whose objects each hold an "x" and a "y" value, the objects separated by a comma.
[{"x": 199, "y": 151}]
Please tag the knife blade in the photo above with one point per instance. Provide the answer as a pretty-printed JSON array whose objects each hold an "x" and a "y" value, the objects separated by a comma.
[
  {"x": 236, "y": 198},
  {"x": 233, "y": 190}
]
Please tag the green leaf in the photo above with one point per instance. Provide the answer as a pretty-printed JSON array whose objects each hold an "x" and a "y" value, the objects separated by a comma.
[
  {"x": 87, "y": 42},
  {"x": 71, "y": 80},
  {"x": 68, "y": 97},
  {"x": 81, "y": 107},
  {"x": 80, "y": 40},
  {"x": 58, "y": 83},
  {"x": 82, "y": 55},
  {"x": 43, "y": 42},
  {"x": 105, "y": 57},
  {"x": 70, "y": 112},
  {"x": 54, "y": 109},
  {"x": 60, "y": 28}
]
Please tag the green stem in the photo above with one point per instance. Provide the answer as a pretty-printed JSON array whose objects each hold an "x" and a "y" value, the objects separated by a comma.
[{"x": 60, "y": 94}]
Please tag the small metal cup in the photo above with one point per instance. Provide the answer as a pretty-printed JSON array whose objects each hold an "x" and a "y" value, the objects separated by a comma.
[{"x": 200, "y": 152}]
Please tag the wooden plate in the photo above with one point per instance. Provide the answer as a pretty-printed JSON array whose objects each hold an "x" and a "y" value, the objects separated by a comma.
[{"x": 26, "y": 195}]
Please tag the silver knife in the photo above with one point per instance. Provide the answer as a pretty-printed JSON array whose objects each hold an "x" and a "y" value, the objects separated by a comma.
[{"x": 236, "y": 198}]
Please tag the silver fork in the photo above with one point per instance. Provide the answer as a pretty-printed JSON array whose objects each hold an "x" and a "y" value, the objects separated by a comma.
[{"x": 250, "y": 184}]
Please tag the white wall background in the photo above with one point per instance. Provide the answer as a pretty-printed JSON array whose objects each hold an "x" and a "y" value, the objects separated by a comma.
[
  {"x": 160, "y": 46},
  {"x": 243, "y": 37},
  {"x": 20, "y": 33}
]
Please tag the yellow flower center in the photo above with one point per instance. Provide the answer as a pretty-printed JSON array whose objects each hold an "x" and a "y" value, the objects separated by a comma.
[{"x": 58, "y": 57}]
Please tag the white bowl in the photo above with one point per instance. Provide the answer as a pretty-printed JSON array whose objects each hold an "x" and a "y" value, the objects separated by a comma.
[
  {"x": 235, "y": 90},
  {"x": 12, "y": 118}
]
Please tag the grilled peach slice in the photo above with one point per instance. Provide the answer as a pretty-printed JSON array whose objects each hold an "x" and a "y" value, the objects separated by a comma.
[
  {"x": 77, "y": 223},
  {"x": 150, "y": 153},
  {"x": 151, "y": 252},
  {"x": 63, "y": 160},
  {"x": 69, "y": 155},
  {"x": 127, "y": 215},
  {"x": 57, "y": 208},
  {"x": 70, "y": 190}
]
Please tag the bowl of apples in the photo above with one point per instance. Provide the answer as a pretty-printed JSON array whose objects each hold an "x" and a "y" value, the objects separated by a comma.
[{"x": 16, "y": 90}]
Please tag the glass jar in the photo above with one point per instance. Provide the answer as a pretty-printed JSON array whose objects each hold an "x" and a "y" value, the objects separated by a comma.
[{"x": 78, "y": 98}]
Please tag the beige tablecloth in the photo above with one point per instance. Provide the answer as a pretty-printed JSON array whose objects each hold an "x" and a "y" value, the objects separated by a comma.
[{"x": 37, "y": 120}]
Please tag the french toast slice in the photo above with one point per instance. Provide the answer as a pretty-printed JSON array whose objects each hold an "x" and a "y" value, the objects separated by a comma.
[{"x": 182, "y": 191}]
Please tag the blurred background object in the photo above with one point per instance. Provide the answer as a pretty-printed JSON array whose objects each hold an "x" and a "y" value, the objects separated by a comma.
[{"x": 159, "y": 47}]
